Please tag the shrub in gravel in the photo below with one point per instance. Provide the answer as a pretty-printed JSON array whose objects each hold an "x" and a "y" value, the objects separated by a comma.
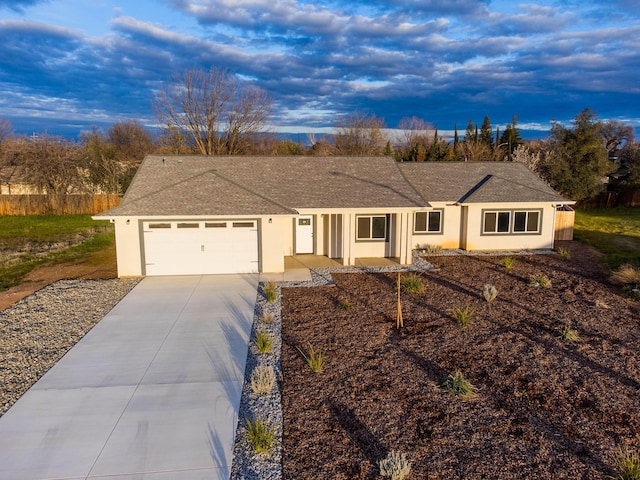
[
  {"x": 569, "y": 334},
  {"x": 263, "y": 379},
  {"x": 540, "y": 280},
  {"x": 270, "y": 289},
  {"x": 489, "y": 292},
  {"x": 627, "y": 465},
  {"x": 263, "y": 341},
  {"x": 260, "y": 435},
  {"x": 508, "y": 262},
  {"x": 626, "y": 274},
  {"x": 315, "y": 359},
  {"x": 564, "y": 253},
  {"x": 432, "y": 249},
  {"x": 463, "y": 315},
  {"x": 412, "y": 283},
  {"x": 395, "y": 466},
  {"x": 457, "y": 385},
  {"x": 267, "y": 317},
  {"x": 344, "y": 303}
]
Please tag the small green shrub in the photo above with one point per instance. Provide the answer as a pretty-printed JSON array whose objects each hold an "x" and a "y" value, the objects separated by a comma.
[
  {"x": 627, "y": 465},
  {"x": 315, "y": 359},
  {"x": 270, "y": 289},
  {"x": 564, "y": 253},
  {"x": 508, "y": 262},
  {"x": 463, "y": 315},
  {"x": 568, "y": 334},
  {"x": 457, "y": 385},
  {"x": 261, "y": 437},
  {"x": 489, "y": 292},
  {"x": 540, "y": 280},
  {"x": 412, "y": 283},
  {"x": 344, "y": 303},
  {"x": 267, "y": 317},
  {"x": 395, "y": 466},
  {"x": 263, "y": 341},
  {"x": 263, "y": 379}
]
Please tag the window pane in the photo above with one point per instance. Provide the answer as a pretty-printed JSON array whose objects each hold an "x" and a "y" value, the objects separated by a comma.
[
  {"x": 379, "y": 227},
  {"x": 421, "y": 222},
  {"x": 159, "y": 225},
  {"x": 243, "y": 224},
  {"x": 188, "y": 225},
  {"x": 364, "y": 227},
  {"x": 490, "y": 222},
  {"x": 532, "y": 222},
  {"x": 519, "y": 221},
  {"x": 503, "y": 221},
  {"x": 215, "y": 225},
  {"x": 434, "y": 221}
]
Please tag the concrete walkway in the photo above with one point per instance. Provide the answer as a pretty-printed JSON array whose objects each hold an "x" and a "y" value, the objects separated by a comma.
[{"x": 151, "y": 393}]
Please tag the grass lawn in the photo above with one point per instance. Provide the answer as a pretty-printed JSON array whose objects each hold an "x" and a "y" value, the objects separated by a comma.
[
  {"x": 29, "y": 241},
  {"x": 613, "y": 231}
]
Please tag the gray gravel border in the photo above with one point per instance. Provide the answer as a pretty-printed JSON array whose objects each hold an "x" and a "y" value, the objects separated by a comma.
[{"x": 38, "y": 330}]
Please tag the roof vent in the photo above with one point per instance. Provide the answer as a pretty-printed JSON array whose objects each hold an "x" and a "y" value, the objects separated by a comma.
[{"x": 163, "y": 161}]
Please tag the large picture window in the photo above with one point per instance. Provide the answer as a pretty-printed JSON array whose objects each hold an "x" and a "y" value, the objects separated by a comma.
[
  {"x": 428, "y": 222},
  {"x": 371, "y": 227},
  {"x": 511, "y": 221}
]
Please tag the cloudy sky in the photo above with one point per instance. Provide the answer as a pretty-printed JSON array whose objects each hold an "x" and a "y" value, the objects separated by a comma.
[{"x": 69, "y": 64}]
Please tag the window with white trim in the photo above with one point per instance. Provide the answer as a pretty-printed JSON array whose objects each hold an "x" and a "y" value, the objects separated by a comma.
[
  {"x": 371, "y": 227},
  {"x": 511, "y": 222},
  {"x": 428, "y": 222}
]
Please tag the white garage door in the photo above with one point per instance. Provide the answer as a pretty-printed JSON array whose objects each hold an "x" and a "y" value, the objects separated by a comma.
[{"x": 200, "y": 247}]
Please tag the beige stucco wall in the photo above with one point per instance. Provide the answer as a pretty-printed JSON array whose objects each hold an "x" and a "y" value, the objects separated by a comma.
[
  {"x": 276, "y": 241},
  {"x": 476, "y": 241},
  {"x": 451, "y": 232},
  {"x": 128, "y": 247}
]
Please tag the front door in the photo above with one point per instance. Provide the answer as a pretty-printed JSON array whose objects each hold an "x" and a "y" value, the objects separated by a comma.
[{"x": 304, "y": 234}]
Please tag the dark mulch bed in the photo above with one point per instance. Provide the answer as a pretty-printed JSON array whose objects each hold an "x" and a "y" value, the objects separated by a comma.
[{"x": 546, "y": 408}]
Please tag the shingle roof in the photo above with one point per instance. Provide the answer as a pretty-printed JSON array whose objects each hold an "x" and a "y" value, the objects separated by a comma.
[
  {"x": 478, "y": 182},
  {"x": 199, "y": 185}
]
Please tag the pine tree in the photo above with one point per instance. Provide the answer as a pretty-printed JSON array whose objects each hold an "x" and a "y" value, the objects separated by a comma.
[
  {"x": 486, "y": 132},
  {"x": 469, "y": 134}
]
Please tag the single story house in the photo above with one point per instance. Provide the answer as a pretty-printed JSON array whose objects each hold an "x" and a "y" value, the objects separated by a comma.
[{"x": 238, "y": 214}]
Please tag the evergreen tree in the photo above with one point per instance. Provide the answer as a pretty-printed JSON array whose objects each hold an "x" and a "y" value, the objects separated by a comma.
[
  {"x": 576, "y": 159},
  {"x": 486, "y": 132},
  {"x": 511, "y": 137},
  {"x": 469, "y": 134}
]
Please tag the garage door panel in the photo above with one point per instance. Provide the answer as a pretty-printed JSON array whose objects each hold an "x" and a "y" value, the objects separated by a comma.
[{"x": 213, "y": 247}]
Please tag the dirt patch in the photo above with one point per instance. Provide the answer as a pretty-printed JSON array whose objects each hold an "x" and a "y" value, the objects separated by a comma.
[
  {"x": 96, "y": 265},
  {"x": 546, "y": 408}
]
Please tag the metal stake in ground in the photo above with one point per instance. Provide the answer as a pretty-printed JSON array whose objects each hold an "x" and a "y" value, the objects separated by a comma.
[{"x": 399, "y": 322}]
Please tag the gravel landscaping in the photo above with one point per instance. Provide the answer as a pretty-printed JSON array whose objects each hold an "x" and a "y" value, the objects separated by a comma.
[{"x": 38, "y": 330}]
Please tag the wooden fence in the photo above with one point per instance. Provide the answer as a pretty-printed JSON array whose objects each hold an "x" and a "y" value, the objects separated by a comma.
[
  {"x": 630, "y": 198},
  {"x": 17, "y": 205},
  {"x": 565, "y": 218}
]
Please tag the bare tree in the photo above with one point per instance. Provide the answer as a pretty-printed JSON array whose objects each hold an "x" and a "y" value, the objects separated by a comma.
[
  {"x": 103, "y": 172},
  {"x": 131, "y": 141},
  {"x": 528, "y": 157},
  {"x": 212, "y": 109},
  {"x": 53, "y": 165},
  {"x": 475, "y": 151},
  {"x": 5, "y": 130},
  {"x": 415, "y": 131},
  {"x": 614, "y": 133},
  {"x": 360, "y": 135}
]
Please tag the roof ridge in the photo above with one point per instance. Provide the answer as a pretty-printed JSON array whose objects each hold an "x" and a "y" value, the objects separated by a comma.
[{"x": 410, "y": 183}]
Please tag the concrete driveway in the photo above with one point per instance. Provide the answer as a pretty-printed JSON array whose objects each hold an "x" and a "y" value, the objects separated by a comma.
[{"x": 152, "y": 392}]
